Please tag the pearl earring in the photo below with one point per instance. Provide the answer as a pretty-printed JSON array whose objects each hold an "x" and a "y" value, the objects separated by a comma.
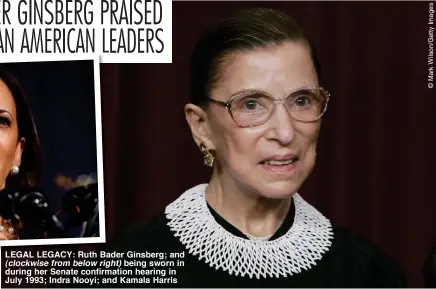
[{"x": 15, "y": 170}]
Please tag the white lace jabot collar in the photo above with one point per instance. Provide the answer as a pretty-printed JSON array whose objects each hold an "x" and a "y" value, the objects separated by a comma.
[{"x": 297, "y": 250}]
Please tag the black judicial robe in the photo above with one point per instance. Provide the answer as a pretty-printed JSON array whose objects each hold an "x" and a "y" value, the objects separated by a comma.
[{"x": 351, "y": 261}]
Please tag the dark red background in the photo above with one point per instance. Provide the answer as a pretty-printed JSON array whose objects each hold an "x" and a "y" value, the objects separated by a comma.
[{"x": 375, "y": 172}]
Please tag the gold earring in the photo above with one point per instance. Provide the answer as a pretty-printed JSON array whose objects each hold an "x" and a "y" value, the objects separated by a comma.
[{"x": 208, "y": 157}]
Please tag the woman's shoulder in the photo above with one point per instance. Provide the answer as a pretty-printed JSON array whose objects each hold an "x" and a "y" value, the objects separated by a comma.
[
  {"x": 350, "y": 242},
  {"x": 152, "y": 234},
  {"x": 364, "y": 258}
]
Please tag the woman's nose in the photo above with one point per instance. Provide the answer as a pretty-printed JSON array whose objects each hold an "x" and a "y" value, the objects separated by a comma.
[{"x": 282, "y": 125}]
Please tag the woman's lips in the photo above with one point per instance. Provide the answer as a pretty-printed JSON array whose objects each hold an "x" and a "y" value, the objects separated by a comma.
[
  {"x": 281, "y": 164},
  {"x": 280, "y": 169}
]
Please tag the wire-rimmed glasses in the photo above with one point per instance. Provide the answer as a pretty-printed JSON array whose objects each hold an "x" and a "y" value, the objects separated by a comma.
[{"x": 252, "y": 108}]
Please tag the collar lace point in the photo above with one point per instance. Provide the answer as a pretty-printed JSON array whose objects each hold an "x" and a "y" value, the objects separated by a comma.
[{"x": 297, "y": 250}]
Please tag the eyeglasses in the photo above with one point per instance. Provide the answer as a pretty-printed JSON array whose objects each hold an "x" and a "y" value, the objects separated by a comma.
[{"x": 253, "y": 108}]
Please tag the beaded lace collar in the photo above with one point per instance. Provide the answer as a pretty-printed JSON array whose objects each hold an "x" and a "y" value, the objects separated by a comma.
[{"x": 297, "y": 250}]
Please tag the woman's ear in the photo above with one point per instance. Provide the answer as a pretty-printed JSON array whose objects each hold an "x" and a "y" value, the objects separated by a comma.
[
  {"x": 19, "y": 151},
  {"x": 199, "y": 124}
]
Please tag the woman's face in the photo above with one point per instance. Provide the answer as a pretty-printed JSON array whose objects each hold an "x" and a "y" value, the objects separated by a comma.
[
  {"x": 245, "y": 154},
  {"x": 10, "y": 147}
]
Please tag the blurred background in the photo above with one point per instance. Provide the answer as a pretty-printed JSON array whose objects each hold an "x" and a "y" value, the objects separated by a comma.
[
  {"x": 61, "y": 97},
  {"x": 375, "y": 172}
]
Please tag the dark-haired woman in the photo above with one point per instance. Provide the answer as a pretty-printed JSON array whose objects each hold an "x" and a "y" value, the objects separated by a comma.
[
  {"x": 255, "y": 114},
  {"x": 19, "y": 147}
]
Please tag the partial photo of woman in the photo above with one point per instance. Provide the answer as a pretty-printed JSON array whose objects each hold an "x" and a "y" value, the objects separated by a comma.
[
  {"x": 20, "y": 165},
  {"x": 256, "y": 108},
  {"x": 48, "y": 163}
]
